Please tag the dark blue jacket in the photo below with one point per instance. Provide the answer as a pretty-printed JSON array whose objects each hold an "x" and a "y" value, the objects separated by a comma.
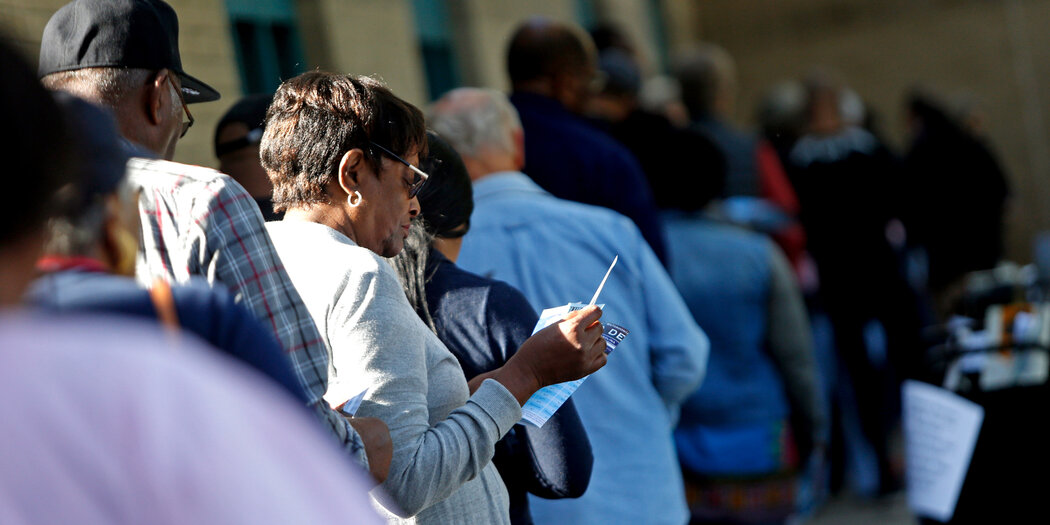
[
  {"x": 208, "y": 313},
  {"x": 483, "y": 322},
  {"x": 572, "y": 159}
]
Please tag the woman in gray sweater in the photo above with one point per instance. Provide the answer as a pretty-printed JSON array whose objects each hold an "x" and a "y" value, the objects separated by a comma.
[{"x": 329, "y": 148}]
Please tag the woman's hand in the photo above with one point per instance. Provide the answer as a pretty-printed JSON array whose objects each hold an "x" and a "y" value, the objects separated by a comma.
[
  {"x": 569, "y": 349},
  {"x": 378, "y": 447}
]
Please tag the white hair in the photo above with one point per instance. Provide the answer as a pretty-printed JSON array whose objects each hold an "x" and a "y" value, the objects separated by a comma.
[
  {"x": 108, "y": 86},
  {"x": 475, "y": 119}
]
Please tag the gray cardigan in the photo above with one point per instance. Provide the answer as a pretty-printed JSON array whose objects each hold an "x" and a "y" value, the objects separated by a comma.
[{"x": 441, "y": 471}]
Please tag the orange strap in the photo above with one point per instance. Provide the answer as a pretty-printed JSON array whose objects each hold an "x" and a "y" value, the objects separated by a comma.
[{"x": 164, "y": 303}]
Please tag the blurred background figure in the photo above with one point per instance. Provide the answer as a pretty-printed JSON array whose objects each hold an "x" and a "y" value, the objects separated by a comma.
[
  {"x": 956, "y": 196},
  {"x": 553, "y": 73},
  {"x": 847, "y": 183},
  {"x": 483, "y": 322},
  {"x": 747, "y": 433},
  {"x": 675, "y": 160},
  {"x": 754, "y": 175},
  {"x": 39, "y": 167},
  {"x": 236, "y": 142},
  {"x": 781, "y": 115}
]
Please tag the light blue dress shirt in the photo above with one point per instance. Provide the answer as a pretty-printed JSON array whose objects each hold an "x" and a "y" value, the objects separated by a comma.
[{"x": 555, "y": 252}]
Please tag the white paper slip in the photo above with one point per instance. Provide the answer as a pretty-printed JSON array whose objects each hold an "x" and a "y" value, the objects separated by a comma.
[
  {"x": 350, "y": 407},
  {"x": 547, "y": 400},
  {"x": 597, "y": 292},
  {"x": 940, "y": 431}
]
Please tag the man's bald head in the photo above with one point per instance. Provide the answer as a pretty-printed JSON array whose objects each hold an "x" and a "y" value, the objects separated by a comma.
[{"x": 546, "y": 56}]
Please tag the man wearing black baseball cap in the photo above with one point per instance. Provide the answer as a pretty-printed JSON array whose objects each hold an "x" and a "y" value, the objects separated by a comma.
[{"x": 124, "y": 54}]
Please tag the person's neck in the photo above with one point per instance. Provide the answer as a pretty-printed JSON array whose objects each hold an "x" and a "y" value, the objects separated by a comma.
[
  {"x": 540, "y": 86},
  {"x": 323, "y": 214},
  {"x": 481, "y": 167},
  {"x": 448, "y": 247}
]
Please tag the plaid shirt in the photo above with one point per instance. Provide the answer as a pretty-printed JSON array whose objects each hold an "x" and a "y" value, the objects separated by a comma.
[{"x": 197, "y": 221}]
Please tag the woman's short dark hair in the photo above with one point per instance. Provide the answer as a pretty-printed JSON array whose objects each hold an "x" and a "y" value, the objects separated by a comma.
[{"x": 316, "y": 118}]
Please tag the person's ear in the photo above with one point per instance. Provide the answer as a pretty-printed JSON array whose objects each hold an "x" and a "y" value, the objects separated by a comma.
[
  {"x": 349, "y": 167},
  {"x": 155, "y": 96},
  {"x": 518, "y": 138}
]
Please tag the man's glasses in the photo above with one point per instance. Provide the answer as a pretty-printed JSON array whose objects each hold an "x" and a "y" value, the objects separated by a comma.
[
  {"x": 185, "y": 125},
  {"x": 421, "y": 176}
]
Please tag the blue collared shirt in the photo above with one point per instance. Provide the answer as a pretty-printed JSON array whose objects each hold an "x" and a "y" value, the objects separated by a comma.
[
  {"x": 555, "y": 252},
  {"x": 569, "y": 157}
]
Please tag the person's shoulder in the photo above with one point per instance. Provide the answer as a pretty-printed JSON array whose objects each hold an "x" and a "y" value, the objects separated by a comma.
[
  {"x": 588, "y": 215},
  {"x": 323, "y": 245},
  {"x": 204, "y": 184},
  {"x": 174, "y": 173},
  {"x": 88, "y": 291},
  {"x": 466, "y": 285}
]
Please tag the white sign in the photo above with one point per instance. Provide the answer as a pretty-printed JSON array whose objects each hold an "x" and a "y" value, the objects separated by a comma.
[{"x": 940, "y": 431}]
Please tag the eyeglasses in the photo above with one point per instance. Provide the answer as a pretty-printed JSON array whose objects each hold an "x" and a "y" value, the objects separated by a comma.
[
  {"x": 185, "y": 125},
  {"x": 421, "y": 176}
]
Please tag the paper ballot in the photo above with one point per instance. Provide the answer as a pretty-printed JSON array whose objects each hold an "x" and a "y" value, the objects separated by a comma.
[
  {"x": 350, "y": 407},
  {"x": 547, "y": 400},
  {"x": 940, "y": 431}
]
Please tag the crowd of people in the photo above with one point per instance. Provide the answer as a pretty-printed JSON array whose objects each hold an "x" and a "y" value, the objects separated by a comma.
[{"x": 343, "y": 322}]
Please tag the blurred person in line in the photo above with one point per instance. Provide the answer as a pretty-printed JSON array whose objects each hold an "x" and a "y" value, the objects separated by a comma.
[
  {"x": 348, "y": 206},
  {"x": 650, "y": 137},
  {"x": 124, "y": 55},
  {"x": 957, "y": 199},
  {"x": 483, "y": 322},
  {"x": 89, "y": 259},
  {"x": 99, "y": 431},
  {"x": 847, "y": 184},
  {"x": 781, "y": 115},
  {"x": 553, "y": 72},
  {"x": 754, "y": 173},
  {"x": 746, "y": 434},
  {"x": 556, "y": 251},
  {"x": 657, "y": 94},
  {"x": 236, "y": 142},
  {"x": 34, "y": 153}
]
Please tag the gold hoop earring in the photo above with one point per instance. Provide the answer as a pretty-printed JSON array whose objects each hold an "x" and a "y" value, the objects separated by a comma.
[{"x": 354, "y": 199}]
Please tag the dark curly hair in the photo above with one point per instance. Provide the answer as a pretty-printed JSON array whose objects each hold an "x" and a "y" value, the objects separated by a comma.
[{"x": 316, "y": 117}]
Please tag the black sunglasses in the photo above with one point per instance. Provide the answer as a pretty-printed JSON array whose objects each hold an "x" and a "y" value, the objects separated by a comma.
[{"x": 421, "y": 176}]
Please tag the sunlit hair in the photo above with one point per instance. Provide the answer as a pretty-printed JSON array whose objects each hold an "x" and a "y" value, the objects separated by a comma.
[
  {"x": 316, "y": 117},
  {"x": 472, "y": 119}
]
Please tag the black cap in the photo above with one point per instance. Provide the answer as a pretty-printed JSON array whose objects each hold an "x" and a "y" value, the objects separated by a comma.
[
  {"x": 250, "y": 111},
  {"x": 100, "y": 156},
  {"x": 142, "y": 34}
]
